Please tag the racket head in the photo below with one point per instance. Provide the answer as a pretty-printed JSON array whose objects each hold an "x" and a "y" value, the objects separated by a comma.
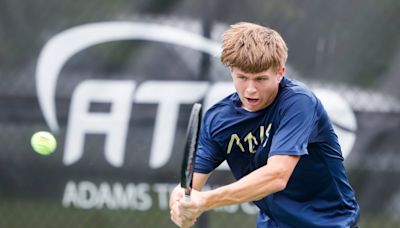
[{"x": 189, "y": 154}]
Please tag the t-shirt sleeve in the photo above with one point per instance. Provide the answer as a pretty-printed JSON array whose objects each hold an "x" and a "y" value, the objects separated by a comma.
[
  {"x": 295, "y": 126},
  {"x": 209, "y": 155}
]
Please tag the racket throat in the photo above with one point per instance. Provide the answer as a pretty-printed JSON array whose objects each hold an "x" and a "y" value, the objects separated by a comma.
[{"x": 187, "y": 191}]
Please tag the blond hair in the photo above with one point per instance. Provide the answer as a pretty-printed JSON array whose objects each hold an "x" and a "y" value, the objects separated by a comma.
[{"x": 253, "y": 48}]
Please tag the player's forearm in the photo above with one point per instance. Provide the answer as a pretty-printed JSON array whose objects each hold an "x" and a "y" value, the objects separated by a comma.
[
  {"x": 256, "y": 185},
  {"x": 199, "y": 179}
]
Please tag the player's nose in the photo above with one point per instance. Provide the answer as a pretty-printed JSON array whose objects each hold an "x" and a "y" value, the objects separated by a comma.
[{"x": 250, "y": 88}]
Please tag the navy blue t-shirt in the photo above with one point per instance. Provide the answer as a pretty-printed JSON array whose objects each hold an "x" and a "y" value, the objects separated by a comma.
[{"x": 318, "y": 193}]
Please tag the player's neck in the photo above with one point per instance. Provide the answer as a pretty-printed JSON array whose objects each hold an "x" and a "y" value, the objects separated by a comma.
[{"x": 247, "y": 109}]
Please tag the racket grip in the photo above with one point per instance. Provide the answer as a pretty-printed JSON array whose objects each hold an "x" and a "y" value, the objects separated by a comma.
[{"x": 187, "y": 198}]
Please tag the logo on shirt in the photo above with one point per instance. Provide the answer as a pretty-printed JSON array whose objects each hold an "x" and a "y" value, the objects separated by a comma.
[{"x": 249, "y": 143}]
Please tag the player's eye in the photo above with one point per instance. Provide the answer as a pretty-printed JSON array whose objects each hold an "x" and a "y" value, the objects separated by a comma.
[{"x": 260, "y": 79}]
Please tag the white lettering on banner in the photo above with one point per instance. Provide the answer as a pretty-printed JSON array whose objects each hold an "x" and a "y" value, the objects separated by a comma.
[
  {"x": 168, "y": 95},
  {"x": 86, "y": 195},
  {"x": 132, "y": 196},
  {"x": 163, "y": 191},
  {"x": 114, "y": 124}
]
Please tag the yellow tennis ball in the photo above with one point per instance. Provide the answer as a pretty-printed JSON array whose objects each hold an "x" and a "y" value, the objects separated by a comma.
[{"x": 43, "y": 142}]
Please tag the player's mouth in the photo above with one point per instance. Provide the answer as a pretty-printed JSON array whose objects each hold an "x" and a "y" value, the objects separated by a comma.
[{"x": 252, "y": 101}]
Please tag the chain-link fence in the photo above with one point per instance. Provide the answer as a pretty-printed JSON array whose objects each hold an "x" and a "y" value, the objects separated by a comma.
[{"x": 338, "y": 48}]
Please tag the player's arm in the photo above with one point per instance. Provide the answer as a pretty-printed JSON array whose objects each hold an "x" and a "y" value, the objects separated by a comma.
[
  {"x": 199, "y": 180},
  {"x": 264, "y": 181}
]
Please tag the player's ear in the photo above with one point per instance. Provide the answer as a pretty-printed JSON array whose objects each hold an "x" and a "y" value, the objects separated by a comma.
[{"x": 280, "y": 74}]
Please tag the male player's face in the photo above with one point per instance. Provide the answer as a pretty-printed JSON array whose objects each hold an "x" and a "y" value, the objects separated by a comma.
[{"x": 257, "y": 90}]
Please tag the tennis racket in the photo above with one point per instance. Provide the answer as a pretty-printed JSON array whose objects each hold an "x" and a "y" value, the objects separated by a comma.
[{"x": 190, "y": 149}]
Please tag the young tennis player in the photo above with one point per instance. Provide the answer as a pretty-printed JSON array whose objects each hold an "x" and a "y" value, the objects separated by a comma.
[{"x": 277, "y": 139}]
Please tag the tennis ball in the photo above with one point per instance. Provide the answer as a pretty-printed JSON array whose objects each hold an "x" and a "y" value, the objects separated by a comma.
[{"x": 43, "y": 142}]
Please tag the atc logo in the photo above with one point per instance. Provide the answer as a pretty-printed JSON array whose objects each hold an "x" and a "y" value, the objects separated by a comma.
[
  {"x": 63, "y": 46},
  {"x": 121, "y": 93}
]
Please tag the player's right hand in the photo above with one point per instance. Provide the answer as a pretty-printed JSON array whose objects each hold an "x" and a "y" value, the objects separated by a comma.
[
  {"x": 176, "y": 194},
  {"x": 178, "y": 216}
]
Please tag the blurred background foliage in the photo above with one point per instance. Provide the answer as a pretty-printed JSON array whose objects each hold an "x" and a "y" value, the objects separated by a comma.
[{"x": 352, "y": 43}]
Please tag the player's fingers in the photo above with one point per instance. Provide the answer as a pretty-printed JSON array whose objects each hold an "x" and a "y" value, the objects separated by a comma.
[
  {"x": 178, "y": 213},
  {"x": 175, "y": 196},
  {"x": 177, "y": 193},
  {"x": 176, "y": 219},
  {"x": 185, "y": 214},
  {"x": 188, "y": 209},
  {"x": 187, "y": 223},
  {"x": 175, "y": 213},
  {"x": 181, "y": 218},
  {"x": 186, "y": 204},
  {"x": 184, "y": 209}
]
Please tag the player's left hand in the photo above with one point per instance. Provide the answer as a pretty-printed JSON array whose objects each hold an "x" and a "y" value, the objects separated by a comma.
[{"x": 184, "y": 213}]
